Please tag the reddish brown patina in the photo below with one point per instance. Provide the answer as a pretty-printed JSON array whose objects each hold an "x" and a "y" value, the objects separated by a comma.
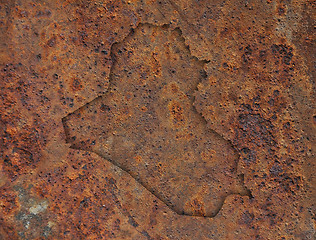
[{"x": 157, "y": 119}]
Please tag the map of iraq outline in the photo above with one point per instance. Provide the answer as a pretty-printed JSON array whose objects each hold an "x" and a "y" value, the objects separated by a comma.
[{"x": 147, "y": 125}]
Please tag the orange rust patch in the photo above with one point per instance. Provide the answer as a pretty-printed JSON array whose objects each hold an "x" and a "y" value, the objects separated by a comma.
[
  {"x": 176, "y": 112},
  {"x": 76, "y": 84},
  {"x": 197, "y": 207}
]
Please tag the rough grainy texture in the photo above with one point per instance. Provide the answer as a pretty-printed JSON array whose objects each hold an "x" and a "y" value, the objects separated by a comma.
[{"x": 122, "y": 119}]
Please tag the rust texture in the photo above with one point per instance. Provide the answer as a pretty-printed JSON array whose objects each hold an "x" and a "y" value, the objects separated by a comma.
[{"x": 147, "y": 119}]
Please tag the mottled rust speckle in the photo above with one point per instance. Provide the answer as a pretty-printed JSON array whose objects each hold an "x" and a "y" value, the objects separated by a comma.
[{"x": 255, "y": 94}]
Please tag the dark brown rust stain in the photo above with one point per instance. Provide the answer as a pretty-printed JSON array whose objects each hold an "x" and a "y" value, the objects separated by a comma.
[{"x": 149, "y": 120}]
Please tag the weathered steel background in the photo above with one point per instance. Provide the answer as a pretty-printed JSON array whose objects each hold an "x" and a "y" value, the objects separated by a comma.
[{"x": 144, "y": 119}]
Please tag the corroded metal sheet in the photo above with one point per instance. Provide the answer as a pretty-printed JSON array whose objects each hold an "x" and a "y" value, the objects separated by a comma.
[{"x": 157, "y": 119}]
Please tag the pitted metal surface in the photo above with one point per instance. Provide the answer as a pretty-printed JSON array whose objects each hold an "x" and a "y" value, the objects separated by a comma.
[{"x": 157, "y": 119}]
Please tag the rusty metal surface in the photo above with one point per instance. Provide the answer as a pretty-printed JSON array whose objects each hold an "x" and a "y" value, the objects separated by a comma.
[{"x": 157, "y": 119}]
